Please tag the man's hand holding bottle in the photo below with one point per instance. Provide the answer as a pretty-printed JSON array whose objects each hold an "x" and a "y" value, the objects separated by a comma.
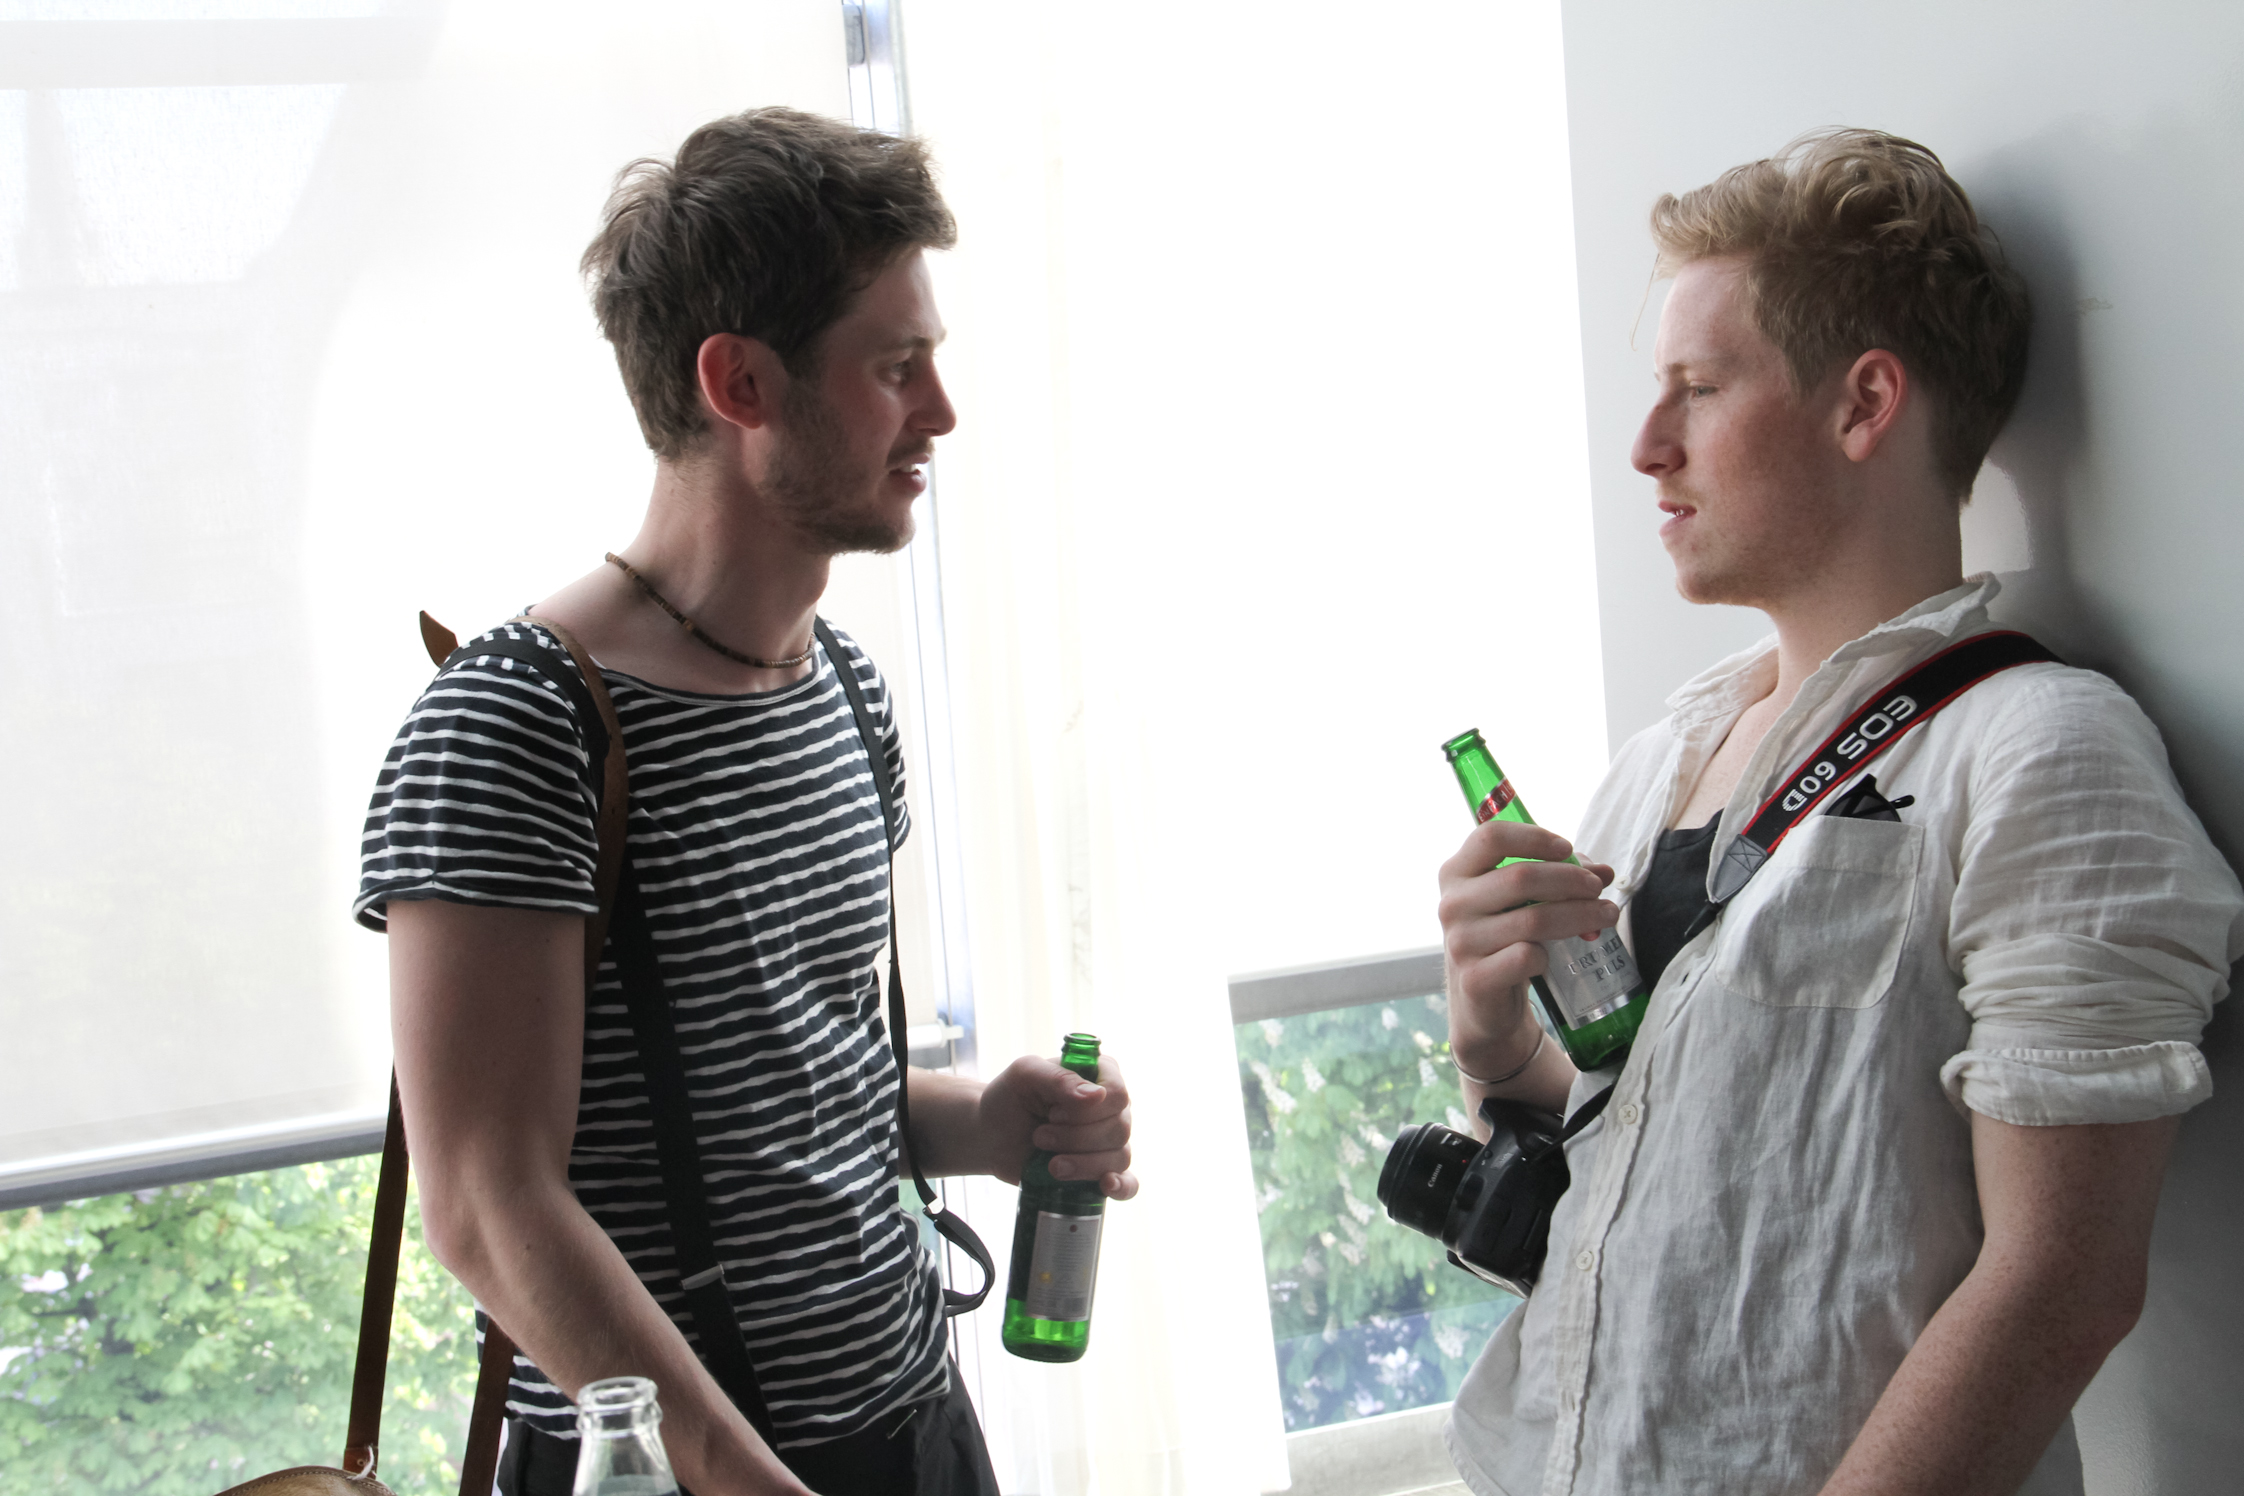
[
  {"x": 1519, "y": 915},
  {"x": 1507, "y": 891}
]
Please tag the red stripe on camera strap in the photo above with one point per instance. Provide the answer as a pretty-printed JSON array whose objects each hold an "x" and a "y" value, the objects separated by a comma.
[{"x": 1894, "y": 710}]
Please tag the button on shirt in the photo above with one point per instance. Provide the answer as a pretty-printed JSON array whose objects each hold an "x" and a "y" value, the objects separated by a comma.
[{"x": 1780, "y": 1194}]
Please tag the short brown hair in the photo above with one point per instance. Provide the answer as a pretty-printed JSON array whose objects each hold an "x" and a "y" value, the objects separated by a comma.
[
  {"x": 767, "y": 225},
  {"x": 1856, "y": 240}
]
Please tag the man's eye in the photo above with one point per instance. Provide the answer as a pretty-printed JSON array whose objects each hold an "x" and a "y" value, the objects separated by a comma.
[{"x": 1699, "y": 391}]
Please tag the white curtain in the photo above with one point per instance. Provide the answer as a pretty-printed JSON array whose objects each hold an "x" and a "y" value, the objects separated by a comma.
[{"x": 1269, "y": 476}]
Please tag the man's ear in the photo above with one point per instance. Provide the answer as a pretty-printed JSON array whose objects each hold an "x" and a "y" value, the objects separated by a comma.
[
  {"x": 742, "y": 380},
  {"x": 1872, "y": 396}
]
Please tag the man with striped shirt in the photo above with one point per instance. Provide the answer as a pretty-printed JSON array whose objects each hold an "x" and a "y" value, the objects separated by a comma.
[{"x": 775, "y": 327}]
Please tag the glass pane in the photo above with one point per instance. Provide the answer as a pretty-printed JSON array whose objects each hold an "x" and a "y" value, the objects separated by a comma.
[
  {"x": 178, "y": 1340},
  {"x": 1369, "y": 1317}
]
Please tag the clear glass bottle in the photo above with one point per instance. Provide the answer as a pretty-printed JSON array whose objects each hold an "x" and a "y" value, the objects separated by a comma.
[
  {"x": 619, "y": 1445},
  {"x": 1593, "y": 999},
  {"x": 1055, "y": 1246}
]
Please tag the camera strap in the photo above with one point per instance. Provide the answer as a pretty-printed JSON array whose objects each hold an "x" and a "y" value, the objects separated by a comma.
[
  {"x": 1584, "y": 1115},
  {"x": 1896, "y": 709}
]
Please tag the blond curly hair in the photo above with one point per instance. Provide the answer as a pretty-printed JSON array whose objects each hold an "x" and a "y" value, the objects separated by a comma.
[{"x": 1853, "y": 240}]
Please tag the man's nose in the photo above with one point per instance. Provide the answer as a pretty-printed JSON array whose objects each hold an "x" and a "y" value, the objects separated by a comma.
[
  {"x": 935, "y": 415},
  {"x": 1657, "y": 454}
]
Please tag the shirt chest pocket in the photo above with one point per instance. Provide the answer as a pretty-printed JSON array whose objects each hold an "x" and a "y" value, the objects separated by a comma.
[{"x": 1824, "y": 923}]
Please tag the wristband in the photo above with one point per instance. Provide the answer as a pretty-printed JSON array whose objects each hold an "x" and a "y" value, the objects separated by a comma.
[{"x": 1542, "y": 1037}]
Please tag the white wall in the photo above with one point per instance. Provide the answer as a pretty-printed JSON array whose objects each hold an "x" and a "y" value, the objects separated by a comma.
[{"x": 2101, "y": 140}]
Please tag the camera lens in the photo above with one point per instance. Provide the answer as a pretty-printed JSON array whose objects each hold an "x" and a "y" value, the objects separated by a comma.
[{"x": 1422, "y": 1173}]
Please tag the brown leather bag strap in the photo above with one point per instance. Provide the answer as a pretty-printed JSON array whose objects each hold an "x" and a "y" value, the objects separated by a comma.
[
  {"x": 496, "y": 1370},
  {"x": 481, "y": 1463},
  {"x": 362, "y": 1444}
]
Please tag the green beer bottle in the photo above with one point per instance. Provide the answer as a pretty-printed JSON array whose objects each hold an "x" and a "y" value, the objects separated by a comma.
[
  {"x": 1593, "y": 999},
  {"x": 1055, "y": 1246}
]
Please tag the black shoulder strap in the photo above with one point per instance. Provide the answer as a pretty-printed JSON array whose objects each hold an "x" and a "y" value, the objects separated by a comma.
[
  {"x": 1902, "y": 705},
  {"x": 701, "y": 1275},
  {"x": 954, "y": 1230},
  {"x": 677, "y": 1148}
]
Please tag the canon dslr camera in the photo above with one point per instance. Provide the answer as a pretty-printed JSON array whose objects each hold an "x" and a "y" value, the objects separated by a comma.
[{"x": 1489, "y": 1203}]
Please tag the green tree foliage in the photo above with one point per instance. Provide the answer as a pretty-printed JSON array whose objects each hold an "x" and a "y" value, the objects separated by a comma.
[
  {"x": 1369, "y": 1316},
  {"x": 179, "y": 1340}
]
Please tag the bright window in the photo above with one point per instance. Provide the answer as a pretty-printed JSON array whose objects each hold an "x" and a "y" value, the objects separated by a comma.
[
  {"x": 1269, "y": 477},
  {"x": 1368, "y": 1317}
]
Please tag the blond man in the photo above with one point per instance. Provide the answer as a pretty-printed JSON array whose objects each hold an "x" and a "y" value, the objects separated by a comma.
[{"x": 1872, "y": 1198}]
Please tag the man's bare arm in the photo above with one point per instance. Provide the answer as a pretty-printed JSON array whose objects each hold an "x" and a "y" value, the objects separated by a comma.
[
  {"x": 487, "y": 1018},
  {"x": 2059, "y": 1282}
]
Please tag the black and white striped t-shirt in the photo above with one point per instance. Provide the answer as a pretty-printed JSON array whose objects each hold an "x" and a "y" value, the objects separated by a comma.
[{"x": 755, "y": 833}]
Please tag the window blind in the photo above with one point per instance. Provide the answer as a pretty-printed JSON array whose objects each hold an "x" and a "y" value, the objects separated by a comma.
[{"x": 291, "y": 346}]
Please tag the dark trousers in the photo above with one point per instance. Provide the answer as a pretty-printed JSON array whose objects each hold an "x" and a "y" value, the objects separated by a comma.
[{"x": 932, "y": 1448}]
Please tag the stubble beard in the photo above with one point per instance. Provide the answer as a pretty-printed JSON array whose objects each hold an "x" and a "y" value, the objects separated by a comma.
[
  {"x": 1759, "y": 537},
  {"x": 1702, "y": 567},
  {"x": 1733, "y": 576},
  {"x": 813, "y": 484},
  {"x": 1753, "y": 569}
]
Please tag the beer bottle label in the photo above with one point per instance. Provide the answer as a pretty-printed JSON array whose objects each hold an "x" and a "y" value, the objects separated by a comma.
[
  {"x": 1498, "y": 798},
  {"x": 1590, "y": 978},
  {"x": 1062, "y": 1267}
]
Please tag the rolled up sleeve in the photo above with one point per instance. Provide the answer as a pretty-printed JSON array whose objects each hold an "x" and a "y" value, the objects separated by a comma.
[{"x": 2093, "y": 922}]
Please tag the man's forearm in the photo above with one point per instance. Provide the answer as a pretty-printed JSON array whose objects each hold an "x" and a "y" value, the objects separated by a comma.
[
  {"x": 2058, "y": 1283},
  {"x": 1978, "y": 1398},
  {"x": 552, "y": 1278},
  {"x": 947, "y": 1135},
  {"x": 1534, "y": 1069}
]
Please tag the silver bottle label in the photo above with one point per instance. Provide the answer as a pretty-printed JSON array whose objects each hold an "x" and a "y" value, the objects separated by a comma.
[
  {"x": 1590, "y": 978},
  {"x": 1063, "y": 1266}
]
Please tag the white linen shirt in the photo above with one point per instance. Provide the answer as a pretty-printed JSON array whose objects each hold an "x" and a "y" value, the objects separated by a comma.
[{"x": 1780, "y": 1193}]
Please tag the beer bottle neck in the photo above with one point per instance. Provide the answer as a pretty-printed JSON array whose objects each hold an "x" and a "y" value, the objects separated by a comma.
[
  {"x": 1080, "y": 1053},
  {"x": 1478, "y": 775}
]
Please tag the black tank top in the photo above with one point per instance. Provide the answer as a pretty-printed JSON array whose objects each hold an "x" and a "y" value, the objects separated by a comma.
[{"x": 1673, "y": 895}]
